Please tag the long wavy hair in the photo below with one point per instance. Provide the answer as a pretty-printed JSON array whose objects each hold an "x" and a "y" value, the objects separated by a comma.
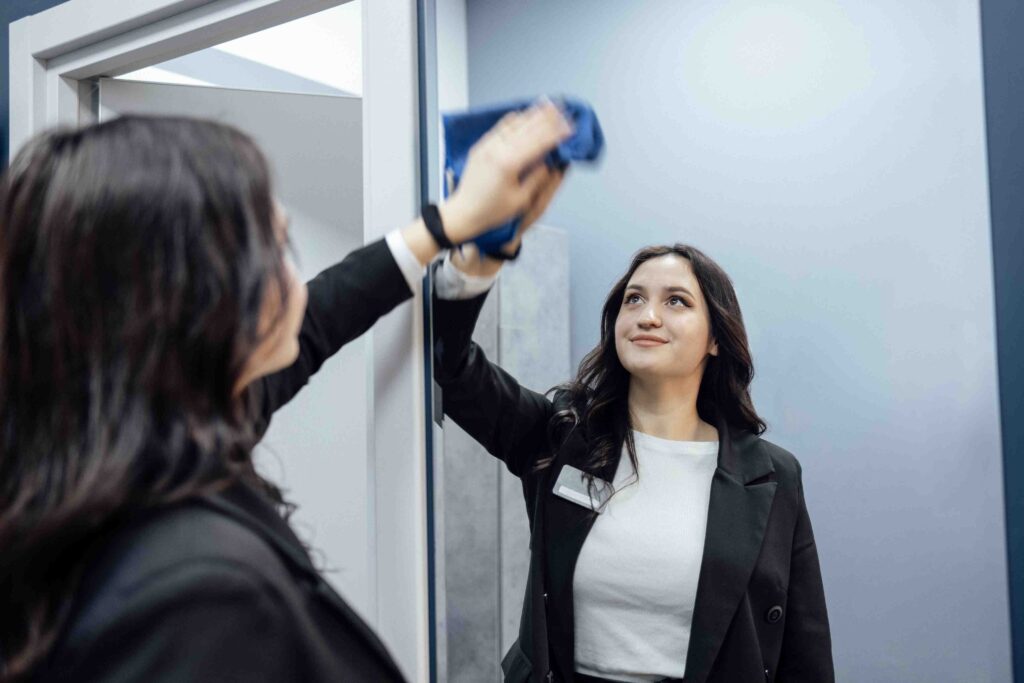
[
  {"x": 135, "y": 256},
  {"x": 598, "y": 395}
]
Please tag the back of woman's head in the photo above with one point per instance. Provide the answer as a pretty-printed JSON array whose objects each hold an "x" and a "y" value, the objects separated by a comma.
[{"x": 134, "y": 258}]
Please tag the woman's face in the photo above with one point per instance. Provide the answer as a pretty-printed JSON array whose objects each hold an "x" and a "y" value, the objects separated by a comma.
[
  {"x": 663, "y": 328},
  {"x": 279, "y": 329}
]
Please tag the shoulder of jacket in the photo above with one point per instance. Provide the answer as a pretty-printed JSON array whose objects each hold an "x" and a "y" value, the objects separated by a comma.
[
  {"x": 188, "y": 537},
  {"x": 784, "y": 462},
  {"x": 178, "y": 555}
]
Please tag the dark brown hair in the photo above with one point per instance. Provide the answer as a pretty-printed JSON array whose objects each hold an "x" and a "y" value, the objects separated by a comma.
[
  {"x": 134, "y": 259},
  {"x": 598, "y": 395}
]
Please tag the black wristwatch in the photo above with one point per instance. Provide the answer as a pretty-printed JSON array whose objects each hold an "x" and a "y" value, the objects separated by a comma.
[{"x": 432, "y": 219}]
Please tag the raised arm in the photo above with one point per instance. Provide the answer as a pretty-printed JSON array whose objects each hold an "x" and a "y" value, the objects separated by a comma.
[
  {"x": 507, "y": 419},
  {"x": 344, "y": 301}
]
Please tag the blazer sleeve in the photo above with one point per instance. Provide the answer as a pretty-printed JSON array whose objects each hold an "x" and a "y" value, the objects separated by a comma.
[
  {"x": 507, "y": 419},
  {"x": 200, "y": 621},
  {"x": 344, "y": 301},
  {"x": 806, "y": 655}
]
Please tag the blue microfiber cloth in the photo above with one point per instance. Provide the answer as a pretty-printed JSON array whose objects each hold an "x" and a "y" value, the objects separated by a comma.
[{"x": 462, "y": 130}]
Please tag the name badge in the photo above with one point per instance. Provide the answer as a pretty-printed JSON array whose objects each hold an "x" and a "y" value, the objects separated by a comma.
[{"x": 572, "y": 486}]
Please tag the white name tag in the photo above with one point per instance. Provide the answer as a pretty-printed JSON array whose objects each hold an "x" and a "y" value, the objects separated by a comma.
[{"x": 572, "y": 486}]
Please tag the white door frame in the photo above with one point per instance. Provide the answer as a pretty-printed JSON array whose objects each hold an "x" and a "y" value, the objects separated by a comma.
[{"x": 53, "y": 55}]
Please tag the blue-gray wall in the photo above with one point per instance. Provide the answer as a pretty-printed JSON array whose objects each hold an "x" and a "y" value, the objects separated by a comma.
[
  {"x": 1002, "y": 29},
  {"x": 831, "y": 156}
]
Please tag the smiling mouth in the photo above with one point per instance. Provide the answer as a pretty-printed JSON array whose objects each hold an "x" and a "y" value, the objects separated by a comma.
[{"x": 648, "y": 341}]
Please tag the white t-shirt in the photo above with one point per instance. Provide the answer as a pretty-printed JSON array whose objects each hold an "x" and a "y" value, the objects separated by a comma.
[{"x": 636, "y": 575}]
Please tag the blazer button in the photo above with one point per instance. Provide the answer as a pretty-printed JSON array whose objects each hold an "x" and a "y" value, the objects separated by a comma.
[{"x": 773, "y": 615}]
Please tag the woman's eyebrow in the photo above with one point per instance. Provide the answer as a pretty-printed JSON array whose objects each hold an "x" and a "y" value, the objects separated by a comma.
[{"x": 670, "y": 289}]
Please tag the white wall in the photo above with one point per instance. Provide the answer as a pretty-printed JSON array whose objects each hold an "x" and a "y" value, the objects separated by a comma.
[
  {"x": 318, "y": 54},
  {"x": 830, "y": 155}
]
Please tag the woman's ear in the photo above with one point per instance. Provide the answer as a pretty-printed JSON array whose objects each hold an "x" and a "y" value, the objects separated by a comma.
[{"x": 713, "y": 348}]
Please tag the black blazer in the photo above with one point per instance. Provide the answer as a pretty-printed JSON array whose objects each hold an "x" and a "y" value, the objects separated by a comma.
[
  {"x": 219, "y": 588},
  {"x": 760, "y": 607}
]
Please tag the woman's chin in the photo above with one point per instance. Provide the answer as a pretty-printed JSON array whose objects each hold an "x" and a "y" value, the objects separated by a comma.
[{"x": 644, "y": 369}]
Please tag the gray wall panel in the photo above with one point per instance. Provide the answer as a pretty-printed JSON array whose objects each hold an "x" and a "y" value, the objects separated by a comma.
[
  {"x": 534, "y": 348},
  {"x": 472, "y": 543}
]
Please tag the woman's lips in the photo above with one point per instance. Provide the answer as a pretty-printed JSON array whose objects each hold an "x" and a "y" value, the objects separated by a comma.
[{"x": 648, "y": 342}]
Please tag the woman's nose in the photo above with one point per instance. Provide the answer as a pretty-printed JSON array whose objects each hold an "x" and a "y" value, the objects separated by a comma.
[{"x": 650, "y": 318}]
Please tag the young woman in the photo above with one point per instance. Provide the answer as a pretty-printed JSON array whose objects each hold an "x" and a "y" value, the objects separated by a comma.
[
  {"x": 151, "y": 322},
  {"x": 669, "y": 541}
]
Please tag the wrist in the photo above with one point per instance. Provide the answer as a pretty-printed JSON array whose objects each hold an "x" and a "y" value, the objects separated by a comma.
[{"x": 458, "y": 223}]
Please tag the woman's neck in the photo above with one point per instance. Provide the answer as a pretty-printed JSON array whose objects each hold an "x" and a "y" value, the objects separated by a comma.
[{"x": 668, "y": 410}]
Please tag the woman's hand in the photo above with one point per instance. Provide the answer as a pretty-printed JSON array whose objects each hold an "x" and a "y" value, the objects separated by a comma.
[
  {"x": 505, "y": 175},
  {"x": 550, "y": 180},
  {"x": 468, "y": 258}
]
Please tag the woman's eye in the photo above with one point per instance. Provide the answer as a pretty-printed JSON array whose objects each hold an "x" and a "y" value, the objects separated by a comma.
[
  {"x": 677, "y": 300},
  {"x": 632, "y": 298}
]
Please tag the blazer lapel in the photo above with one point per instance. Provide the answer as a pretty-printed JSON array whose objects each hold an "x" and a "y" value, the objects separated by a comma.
[
  {"x": 741, "y": 500},
  {"x": 566, "y": 527}
]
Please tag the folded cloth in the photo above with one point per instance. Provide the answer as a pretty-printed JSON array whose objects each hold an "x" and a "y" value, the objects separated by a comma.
[{"x": 462, "y": 130}]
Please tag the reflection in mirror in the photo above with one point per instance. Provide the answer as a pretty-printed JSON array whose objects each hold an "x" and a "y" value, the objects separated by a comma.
[
  {"x": 829, "y": 157},
  {"x": 296, "y": 89}
]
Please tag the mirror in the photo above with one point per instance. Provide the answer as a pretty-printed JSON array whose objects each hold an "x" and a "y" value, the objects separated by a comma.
[{"x": 830, "y": 157}]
